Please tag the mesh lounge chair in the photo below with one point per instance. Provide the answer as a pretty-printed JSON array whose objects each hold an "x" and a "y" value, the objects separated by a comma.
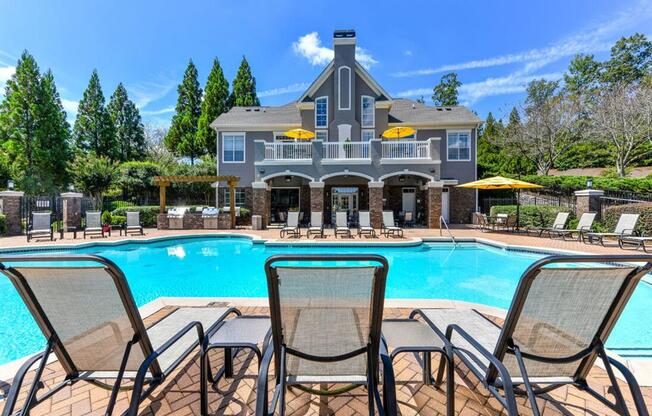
[
  {"x": 633, "y": 242},
  {"x": 554, "y": 332},
  {"x": 364, "y": 225},
  {"x": 342, "y": 224},
  {"x": 583, "y": 226},
  {"x": 625, "y": 228},
  {"x": 388, "y": 225},
  {"x": 291, "y": 226},
  {"x": 133, "y": 224},
  {"x": 326, "y": 326},
  {"x": 41, "y": 226},
  {"x": 88, "y": 316},
  {"x": 558, "y": 224},
  {"x": 316, "y": 224},
  {"x": 93, "y": 224}
]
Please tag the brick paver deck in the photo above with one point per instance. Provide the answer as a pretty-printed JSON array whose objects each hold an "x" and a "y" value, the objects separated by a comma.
[{"x": 179, "y": 395}]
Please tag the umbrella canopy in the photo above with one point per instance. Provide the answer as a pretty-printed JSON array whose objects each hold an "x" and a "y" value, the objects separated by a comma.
[
  {"x": 499, "y": 182},
  {"x": 300, "y": 134},
  {"x": 398, "y": 132}
]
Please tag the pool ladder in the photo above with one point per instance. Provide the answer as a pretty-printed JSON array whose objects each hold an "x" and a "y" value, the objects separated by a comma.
[{"x": 442, "y": 221}]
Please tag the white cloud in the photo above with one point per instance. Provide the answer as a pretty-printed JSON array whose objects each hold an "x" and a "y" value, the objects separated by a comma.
[
  {"x": 165, "y": 110},
  {"x": 407, "y": 52},
  {"x": 148, "y": 92},
  {"x": 6, "y": 72},
  {"x": 298, "y": 87},
  {"x": 309, "y": 46}
]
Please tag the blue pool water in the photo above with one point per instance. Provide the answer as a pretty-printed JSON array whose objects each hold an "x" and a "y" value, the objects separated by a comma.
[{"x": 233, "y": 267}]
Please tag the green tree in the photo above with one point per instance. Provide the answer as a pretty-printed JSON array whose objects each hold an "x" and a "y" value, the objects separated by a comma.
[
  {"x": 94, "y": 175},
  {"x": 583, "y": 76},
  {"x": 216, "y": 102},
  {"x": 630, "y": 61},
  {"x": 446, "y": 92},
  {"x": 136, "y": 179},
  {"x": 182, "y": 136},
  {"x": 94, "y": 130},
  {"x": 129, "y": 130},
  {"x": 244, "y": 87}
]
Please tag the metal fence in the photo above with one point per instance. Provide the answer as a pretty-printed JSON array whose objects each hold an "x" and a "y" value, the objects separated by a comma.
[
  {"x": 528, "y": 198},
  {"x": 40, "y": 203},
  {"x": 617, "y": 198}
]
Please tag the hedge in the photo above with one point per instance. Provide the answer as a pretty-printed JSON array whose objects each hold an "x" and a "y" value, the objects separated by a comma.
[
  {"x": 568, "y": 184},
  {"x": 3, "y": 224},
  {"x": 531, "y": 215},
  {"x": 147, "y": 214},
  {"x": 610, "y": 216}
]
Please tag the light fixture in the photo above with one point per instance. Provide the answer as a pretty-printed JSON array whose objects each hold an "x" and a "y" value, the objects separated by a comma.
[
  {"x": 288, "y": 178},
  {"x": 401, "y": 178},
  {"x": 71, "y": 187},
  {"x": 589, "y": 183},
  {"x": 10, "y": 185}
]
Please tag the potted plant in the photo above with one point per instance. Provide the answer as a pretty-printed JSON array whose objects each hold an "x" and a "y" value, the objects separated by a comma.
[{"x": 106, "y": 221}]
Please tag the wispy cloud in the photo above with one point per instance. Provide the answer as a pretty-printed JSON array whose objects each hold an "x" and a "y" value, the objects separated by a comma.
[
  {"x": 309, "y": 46},
  {"x": 166, "y": 110},
  {"x": 293, "y": 88},
  {"x": 70, "y": 106},
  {"x": 148, "y": 92},
  {"x": 6, "y": 72}
]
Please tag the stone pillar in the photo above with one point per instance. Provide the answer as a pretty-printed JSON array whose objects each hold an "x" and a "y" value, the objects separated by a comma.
[
  {"x": 376, "y": 203},
  {"x": 316, "y": 196},
  {"x": 433, "y": 203},
  {"x": 10, "y": 208},
  {"x": 588, "y": 200},
  {"x": 71, "y": 203},
  {"x": 261, "y": 203}
]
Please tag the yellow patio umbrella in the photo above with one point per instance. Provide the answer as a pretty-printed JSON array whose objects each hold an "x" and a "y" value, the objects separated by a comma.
[
  {"x": 499, "y": 182},
  {"x": 398, "y": 132},
  {"x": 300, "y": 134}
]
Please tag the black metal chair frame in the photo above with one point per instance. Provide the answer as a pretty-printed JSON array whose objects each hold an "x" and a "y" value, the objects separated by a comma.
[
  {"x": 374, "y": 350},
  {"x": 628, "y": 243},
  {"x": 56, "y": 346},
  {"x": 497, "y": 379}
]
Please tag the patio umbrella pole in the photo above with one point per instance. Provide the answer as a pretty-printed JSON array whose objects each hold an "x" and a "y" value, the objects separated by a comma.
[{"x": 518, "y": 209}]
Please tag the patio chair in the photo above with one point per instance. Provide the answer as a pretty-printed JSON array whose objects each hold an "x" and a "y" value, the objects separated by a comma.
[
  {"x": 291, "y": 227},
  {"x": 554, "y": 332},
  {"x": 584, "y": 225},
  {"x": 316, "y": 224},
  {"x": 364, "y": 225},
  {"x": 388, "y": 226},
  {"x": 633, "y": 242},
  {"x": 408, "y": 219},
  {"x": 558, "y": 224},
  {"x": 625, "y": 227},
  {"x": 41, "y": 226},
  {"x": 326, "y": 328},
  {"x": 93, "y": 224},
  {"x": 342, "y": 224},
  {"x": 133, "y": 223},
  {"x": 91, "y": 323}
]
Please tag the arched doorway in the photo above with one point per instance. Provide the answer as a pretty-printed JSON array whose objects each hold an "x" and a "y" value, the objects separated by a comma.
[
  {"x": 345, "y": 191},
  {"x": 288, "y": 191}
]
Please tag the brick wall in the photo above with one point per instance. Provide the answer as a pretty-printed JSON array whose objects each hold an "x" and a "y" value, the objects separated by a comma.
[
  {"x": 461, "y": 205},
  {"x": 11, "y": 210},
  {"x": 434, "y": 207}
]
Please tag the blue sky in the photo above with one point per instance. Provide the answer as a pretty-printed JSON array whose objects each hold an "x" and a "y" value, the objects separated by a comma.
[{"x": 496, "y": 47}]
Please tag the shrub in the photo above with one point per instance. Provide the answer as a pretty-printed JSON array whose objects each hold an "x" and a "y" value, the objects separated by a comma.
[
  {"x": 147, "y": 214},
  {"x": 113, "y": 205},
  {"x": 118, "y": 220},
  {"x": 531, "y": 215},
  {"x": 568, "y": 184},
  {"x": 106, "y": 217},
  {"x": 611, "y": 214},
  {"x": 3, "y": 224}
]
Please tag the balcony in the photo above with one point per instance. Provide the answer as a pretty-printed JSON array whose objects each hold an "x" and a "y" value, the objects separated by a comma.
[
  {"x": 349, "y": 152},
  {"x": 405, "y": 150},
  {"x": 289, "y": 153}
]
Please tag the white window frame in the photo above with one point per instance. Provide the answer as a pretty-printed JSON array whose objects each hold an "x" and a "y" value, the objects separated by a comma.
[
  {"x": 227, "y": 197},
  {"x": 317, "y": 126},
  {"x": 373, "y": 112},
  {"x": 363, "y": 131},
  {"x": 244, "y": 145},
  {"x": 448, "y": 133},
  {"x": 339, "y": 88},
  {"x": 325, "y": 139}
]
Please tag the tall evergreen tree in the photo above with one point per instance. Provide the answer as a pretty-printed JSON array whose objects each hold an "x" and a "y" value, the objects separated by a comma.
[
  {"x": 445, "y": 93},
  {"x": 216, "y": 102},
  {"x": 244, "y": 87},
  {"x": 129, "y": 130},
  {"x": 583, "y": 76},
  {"x": 94, "y": 130},
  {"x": 182, "y": 136},
  {"x": 630, "y": 61}
]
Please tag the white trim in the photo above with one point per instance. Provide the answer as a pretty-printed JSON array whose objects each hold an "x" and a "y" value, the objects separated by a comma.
[
  {"x": 346, "y": 161},
  {"x": 469, "y": 132},
  {"x": 384, "y": 161},
  {"x": 371, "y": 83},
  {"x": 321, "y": 131},
  {"x": 373, "y": 131},
  {"x": 327, "y": 118},
  {"x": 283, "y": 162},
  {"x": 339, "y": 87},
  {"x": 234, "y": 128},
  {"x": 406, "y": 172},
  {"x": 244, "y": 145},
  {"x": 286, "y": 173},
  {"x": 259, "y": 185},
  {"x": 373, "y": 112},
  {"x": 323, "y": 76},
  {"x": 316, "y": 185},
  {"x": 345, "y": 173}
]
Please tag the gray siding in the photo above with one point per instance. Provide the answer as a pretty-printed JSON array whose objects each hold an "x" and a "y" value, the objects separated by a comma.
[
  {"x": 463, "y": 171},
  {"x": 246, "y": 171}
]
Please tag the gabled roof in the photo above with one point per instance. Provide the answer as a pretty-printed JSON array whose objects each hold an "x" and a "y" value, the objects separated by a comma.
[
  {"x": 247, "y": 117},
  {"x": 416, "y": 114}
]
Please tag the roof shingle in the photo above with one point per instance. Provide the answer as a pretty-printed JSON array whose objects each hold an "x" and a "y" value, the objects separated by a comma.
[{"x": 287, "y": 114}]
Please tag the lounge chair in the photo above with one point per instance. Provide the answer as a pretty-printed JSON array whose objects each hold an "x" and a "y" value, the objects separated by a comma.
[
  {"x": 584, "y": 225},
  {"x": 364, "y": 225},
  {"x": 554, "y": 332},
  {"x": 133, "y": 224},
  {"x": 316, "y": 224},
  {"x": 633, "y": 242},
  {"x": 342, "y": 224},
  {"x": 90, "y": 321},
  {"x": 388, "y": 226},
  {"x": 41, "y": 226},
  {"x": 626, "y": 227},
  {"x": 291, "y": 226},
  {"x": 558, "y": 224},
  {"x": 326, "y": 326},
  {"x": 93, "y": 224}
]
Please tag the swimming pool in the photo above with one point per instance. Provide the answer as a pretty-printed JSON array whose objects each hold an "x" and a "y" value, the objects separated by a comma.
[{"x": 233, "y": 267}]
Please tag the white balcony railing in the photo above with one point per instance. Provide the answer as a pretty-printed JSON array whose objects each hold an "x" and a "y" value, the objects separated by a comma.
[
  {"x": 346, "y": 151},
  {"x": 405, "y": 149},
  {"x": 288, "y": 151}
]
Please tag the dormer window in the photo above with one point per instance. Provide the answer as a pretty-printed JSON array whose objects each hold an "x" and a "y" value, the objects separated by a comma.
[
  {"x": 321, "y": 112},
  {"x": 367, "y": 111}
]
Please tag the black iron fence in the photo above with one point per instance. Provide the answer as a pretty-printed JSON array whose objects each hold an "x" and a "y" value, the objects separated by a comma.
[
  {"x": 527, "y": 198},
  {"x": 618, "y": 198}
]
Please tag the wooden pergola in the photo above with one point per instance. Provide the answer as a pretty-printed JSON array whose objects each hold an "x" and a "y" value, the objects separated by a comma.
[{"x": 164, "y": 181}]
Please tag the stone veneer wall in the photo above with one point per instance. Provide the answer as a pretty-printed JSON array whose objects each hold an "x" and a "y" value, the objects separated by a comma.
[
  {"x": 304, "y": 200},
  {"x": 11, "y": 210},
  {"x": 434, "y": 207},
  {"x": 249, "y": 202},
  {"x": 195, "y": 222},
  {"x": 461, "y": 205}
]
